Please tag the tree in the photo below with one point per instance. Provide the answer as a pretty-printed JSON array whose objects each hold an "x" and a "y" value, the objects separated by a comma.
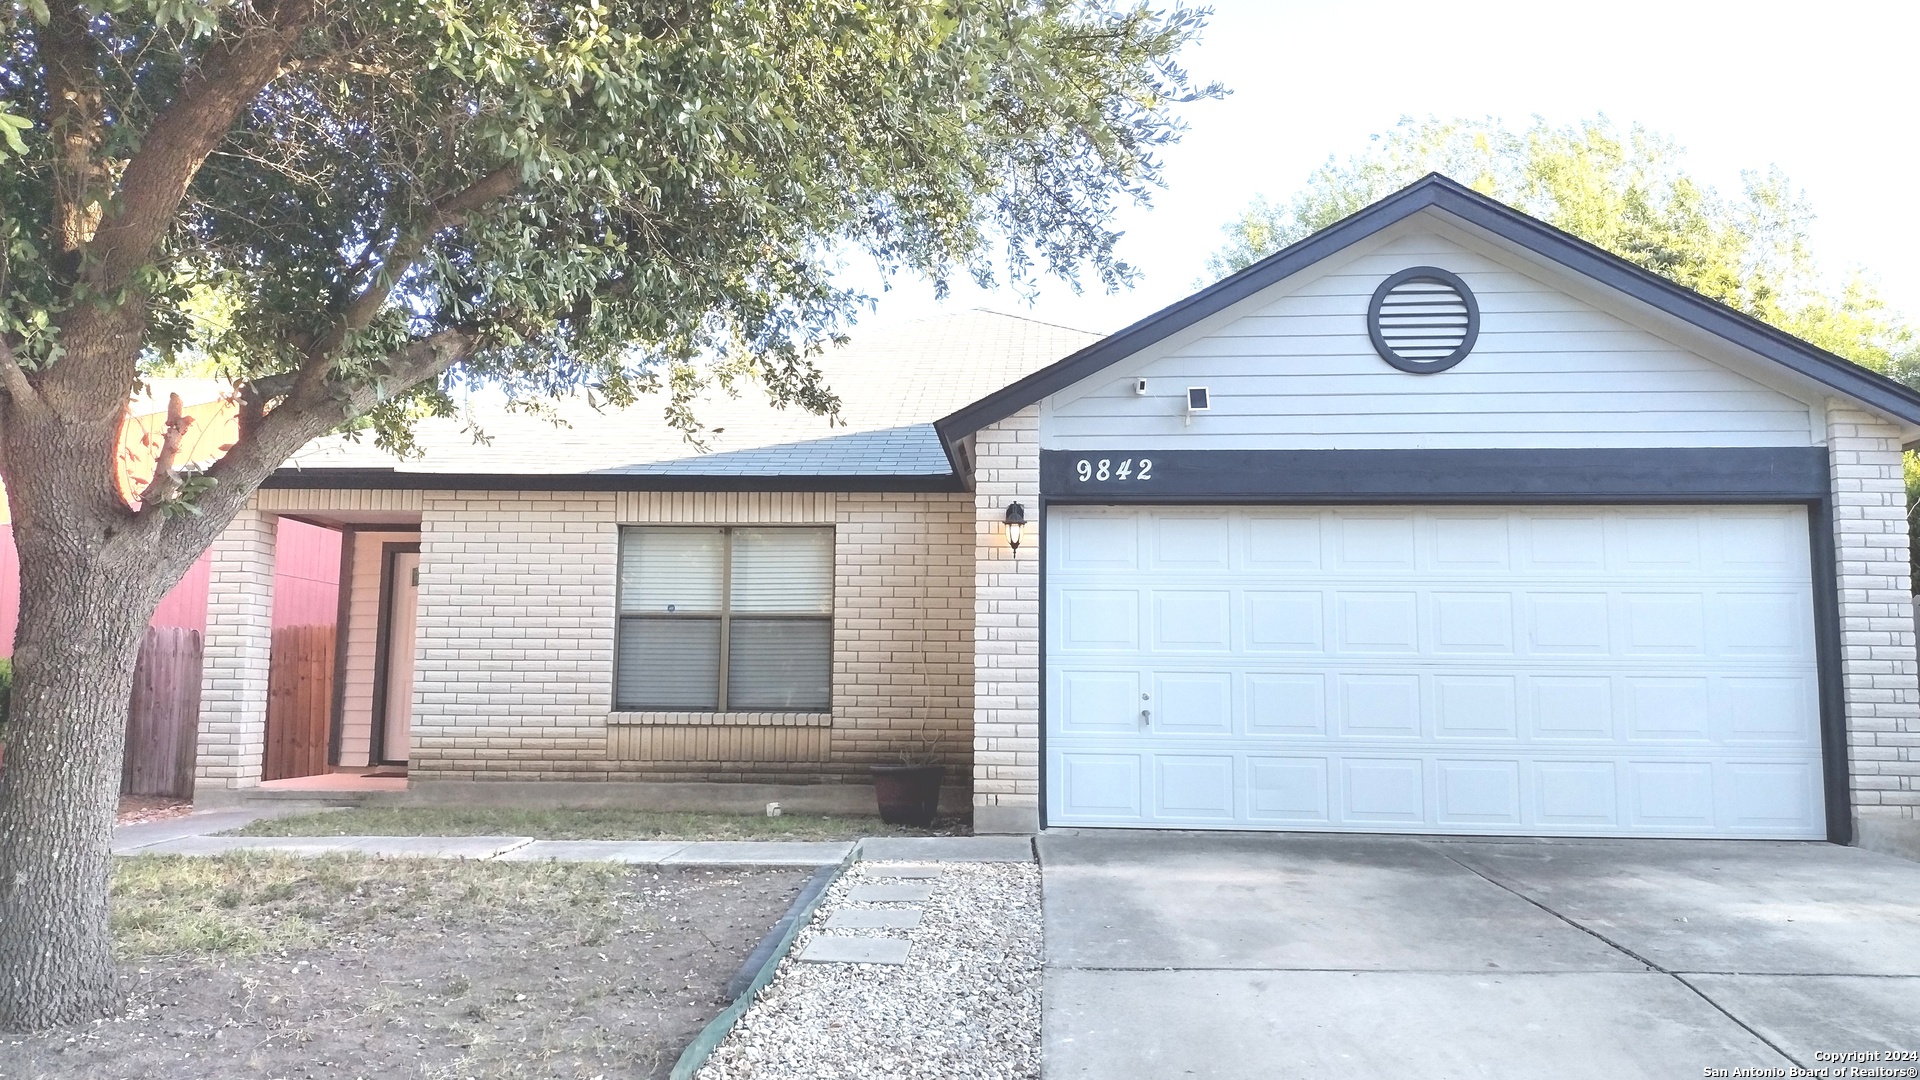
[
  {"x": 1627, "y": 194},
  {"x": 345, "y": 207}
]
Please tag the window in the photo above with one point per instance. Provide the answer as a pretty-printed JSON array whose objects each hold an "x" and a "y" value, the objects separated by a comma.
[{"x": 725, "y": 619}]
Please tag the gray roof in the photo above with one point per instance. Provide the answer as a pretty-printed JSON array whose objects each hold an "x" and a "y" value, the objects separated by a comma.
[{"x": 893, "y": 383}]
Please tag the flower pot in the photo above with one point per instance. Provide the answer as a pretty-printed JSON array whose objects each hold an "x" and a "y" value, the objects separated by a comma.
[{"x": 908, "y": 794}]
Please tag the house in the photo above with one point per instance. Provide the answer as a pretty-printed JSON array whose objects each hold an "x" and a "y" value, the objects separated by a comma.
[{"x": 1438, "y": 521}]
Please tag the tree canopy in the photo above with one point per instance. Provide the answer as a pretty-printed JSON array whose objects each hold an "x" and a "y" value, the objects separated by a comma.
[
  {"x": 1626, "y": 192},
  {"x": 347, "y": 208}
]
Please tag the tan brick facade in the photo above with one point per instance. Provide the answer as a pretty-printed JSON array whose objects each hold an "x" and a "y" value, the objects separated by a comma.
[
  {"x": 1006, "y": 611},
  {"x": 238, "y": 648},
  {"x": 1878, "y": 668},
  {"x": 515, "y": 667}
]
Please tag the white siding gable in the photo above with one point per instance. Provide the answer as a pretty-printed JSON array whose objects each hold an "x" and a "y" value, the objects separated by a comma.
[{"x": 1292, "y": 368}]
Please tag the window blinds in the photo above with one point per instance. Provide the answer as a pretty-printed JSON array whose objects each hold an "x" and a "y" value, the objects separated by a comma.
[
  {"x": 789, "y": 571},
  {"x": 671, "y": 571},
  {"x": 780, "y": 664}
]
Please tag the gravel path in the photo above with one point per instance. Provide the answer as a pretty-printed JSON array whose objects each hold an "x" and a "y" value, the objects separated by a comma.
[{"x": 965, "y": 1004}]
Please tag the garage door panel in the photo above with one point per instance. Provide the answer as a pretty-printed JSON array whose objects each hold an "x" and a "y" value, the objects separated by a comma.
[
  {"x": 1571, "y": 707},
  {"x": 1382, "y": 791},
  {"x": 1193, "y": 703},
  {"x": 1568, "y": 624},
  {"x": 1190, "y": 543},
  {"x": 1664, "y": 624},
  {"x": 1286, "y": 622},
  {"x": 1095, "y": 787},
  {"x": 1576, "y": 795},
  {"x": 1279, "y": 704},
  {"x": 1479, "y": 544},
  {"x": 1379, "y": 706},
  {"x": 1486, "y": 670},
  {"x": 1478, "y": 793},
  {"x": 1472, "y": 623},
  {"x": 1475, "y": 707},
  {"x": 1670, "y": 794},
  {"x": 1283, "y": 541},
  {"x": 1378, "y": 622},
  {"x": 1194, "y": 789},
  {"x": 1764, "y": 709},
  {"x": 1192, "y": 621},
  {"x": 1769, "y": 796},
  {"x": 1373, "y": 542},
  {"x": 1668, "y": 709},
  {"x": 1288, "y": 789},
  {"x": 1104, "y": 621},
  {"x": 1099, "y": 701}
]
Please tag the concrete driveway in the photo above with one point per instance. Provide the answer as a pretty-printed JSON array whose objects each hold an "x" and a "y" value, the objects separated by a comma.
[{"x": 1235, "y": 955}]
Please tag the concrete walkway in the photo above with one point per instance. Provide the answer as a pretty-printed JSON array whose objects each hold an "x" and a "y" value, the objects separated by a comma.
[
  {"x": 192, "y": 835},
  {"x": 1268, "y": 956}
]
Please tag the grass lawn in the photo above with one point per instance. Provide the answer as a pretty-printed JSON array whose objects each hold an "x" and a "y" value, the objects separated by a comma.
[
  {"x": 341, "y": 966},
  {"x": 594, "y": 824}
]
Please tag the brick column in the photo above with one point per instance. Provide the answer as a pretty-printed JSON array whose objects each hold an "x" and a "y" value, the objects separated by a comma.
[
  {"x": 1006, "y": 643},
  {"x": 239, "y": 647},
  {"x": 1878, "y": 667}
]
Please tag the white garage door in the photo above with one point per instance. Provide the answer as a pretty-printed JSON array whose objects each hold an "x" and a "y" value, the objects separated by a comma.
[{"x": 1620, "y": 671}]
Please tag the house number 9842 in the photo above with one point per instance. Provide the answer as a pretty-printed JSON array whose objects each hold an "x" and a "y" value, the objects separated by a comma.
[{"x": 1107, "y": 469}]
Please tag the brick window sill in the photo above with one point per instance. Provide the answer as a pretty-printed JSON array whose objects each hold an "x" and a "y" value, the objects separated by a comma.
[{"x": 730, "y": 719}]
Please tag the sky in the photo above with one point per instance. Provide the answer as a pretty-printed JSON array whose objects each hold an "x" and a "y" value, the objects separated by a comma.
[{"x": 1823, "y": 90}]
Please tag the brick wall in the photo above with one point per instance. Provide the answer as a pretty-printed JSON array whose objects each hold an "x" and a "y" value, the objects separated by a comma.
[
  {"x": 238, "y": 649},
  {"x": 1006, "y": 652},
  {"x": 1878, "y": 666},
  {"x": 515, "y": 669}
]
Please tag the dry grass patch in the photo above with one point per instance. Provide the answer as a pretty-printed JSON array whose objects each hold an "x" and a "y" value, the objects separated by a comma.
[
  {"x": 245, "y": 903},
  {"x": 610, "y": 823}
]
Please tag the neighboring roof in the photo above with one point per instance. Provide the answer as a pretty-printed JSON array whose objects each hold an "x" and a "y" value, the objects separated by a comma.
[
  {"x": 1438, "y": 192},
  {"x": 892, "y": 383}
]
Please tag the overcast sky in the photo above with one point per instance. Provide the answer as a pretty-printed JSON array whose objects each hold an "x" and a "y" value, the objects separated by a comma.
[{"x": 1826, "y": 91}]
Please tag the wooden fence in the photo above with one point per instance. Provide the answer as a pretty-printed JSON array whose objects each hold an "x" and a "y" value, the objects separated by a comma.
[
  {"x": 299, "y": 702},
  {"x": 163, "y": 716}
]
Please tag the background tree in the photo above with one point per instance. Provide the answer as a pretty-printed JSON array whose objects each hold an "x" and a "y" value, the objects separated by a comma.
[
  {"x": 1627, "y": 193},
  {"x": 345, "y": 207}
]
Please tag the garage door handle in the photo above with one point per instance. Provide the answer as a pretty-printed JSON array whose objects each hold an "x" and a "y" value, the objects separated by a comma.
[{"x": 1146, "y": 717}]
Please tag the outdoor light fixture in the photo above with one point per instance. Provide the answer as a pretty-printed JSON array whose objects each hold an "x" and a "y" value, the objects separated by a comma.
[{"x": 1016, "y": 524}]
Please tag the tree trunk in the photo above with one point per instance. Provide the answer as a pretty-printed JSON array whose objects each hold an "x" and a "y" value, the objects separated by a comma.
[{"x": 74, "y": 651}]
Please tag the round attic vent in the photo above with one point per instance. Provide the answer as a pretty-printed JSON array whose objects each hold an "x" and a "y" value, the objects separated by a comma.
[{"x": 1423, "y": 319}]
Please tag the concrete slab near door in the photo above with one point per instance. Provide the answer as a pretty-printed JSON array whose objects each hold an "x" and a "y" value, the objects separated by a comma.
[
  {"x": 386, "y": 847},
  {"x": 760, "y": 853},
  {"x": 637, "y": 852},
  {"x": 826, "y": 949},
  {"x": 1278, "y": 1025},
  {"x": 874, "y": 919},
  {"x": 889, "y": 894},
  {"x": 1262, "y": 900},
  {"x": 1724, "y": 906}
]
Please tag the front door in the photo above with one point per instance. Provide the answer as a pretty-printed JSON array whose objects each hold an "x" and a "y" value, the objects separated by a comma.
[{"x": 402, "y": 621}]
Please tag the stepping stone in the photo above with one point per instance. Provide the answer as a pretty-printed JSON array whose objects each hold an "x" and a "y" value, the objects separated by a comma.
[
  {"x": 855, "y": 950},
  {"x": 886, "y": 870},
  {"x": 889, "y": 894},
  {"x": 873, "y": 919},
  {"x": 948, "y": 848}
]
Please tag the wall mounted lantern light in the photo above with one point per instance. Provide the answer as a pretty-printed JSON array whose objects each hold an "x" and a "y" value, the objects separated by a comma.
[{"x": 1016, "y": 524}]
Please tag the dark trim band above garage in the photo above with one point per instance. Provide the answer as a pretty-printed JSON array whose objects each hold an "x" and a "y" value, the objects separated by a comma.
[
  {"x": 1438, "y": 192},
  {"x": 1660, "y": 474},
  {"x": 389, "y": 479}
]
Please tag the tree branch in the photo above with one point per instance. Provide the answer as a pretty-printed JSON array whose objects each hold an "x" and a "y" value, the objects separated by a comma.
[
  {"x": 74, "y": 120},
  {"x": 361, "y": 310},
  {"x": 162, "y": 482},
  {"x": 229, "y": 76}
]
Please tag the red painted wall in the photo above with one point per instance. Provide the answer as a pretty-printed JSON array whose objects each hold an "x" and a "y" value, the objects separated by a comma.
[
  {"x": 306, "y": 583},
  {"x": 306, "y": 574}
]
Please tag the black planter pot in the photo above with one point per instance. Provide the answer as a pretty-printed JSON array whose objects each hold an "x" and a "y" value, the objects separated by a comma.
[{"x": 908, "y": 794}]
